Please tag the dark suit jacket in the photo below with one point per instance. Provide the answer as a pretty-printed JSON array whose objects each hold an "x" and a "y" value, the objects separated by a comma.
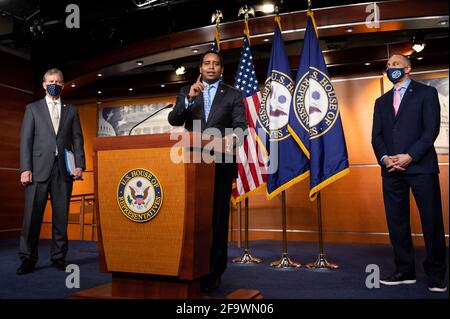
[
  {"x": 412, "y": 131},
  {"x": 38, "y": 140},
  {"x": 227, "y": 110}
]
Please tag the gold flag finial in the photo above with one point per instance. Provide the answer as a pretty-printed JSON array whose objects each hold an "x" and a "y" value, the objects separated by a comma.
[
  {"x": 216, "y": 17},
  {"x": 246, "y": 11}
]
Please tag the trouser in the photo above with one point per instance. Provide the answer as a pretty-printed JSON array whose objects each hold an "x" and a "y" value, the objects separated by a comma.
[
  {"x": 36, "y": 195},
  {"x": 427, "y": 194},
  {"x": 221, "y": 207}
]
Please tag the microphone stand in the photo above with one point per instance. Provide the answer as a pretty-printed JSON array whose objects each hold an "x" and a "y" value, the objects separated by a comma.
[{"x": 151, "y": 115}]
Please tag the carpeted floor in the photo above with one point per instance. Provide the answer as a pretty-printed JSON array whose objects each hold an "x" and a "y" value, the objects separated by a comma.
[{"x": 348, "y": 282}]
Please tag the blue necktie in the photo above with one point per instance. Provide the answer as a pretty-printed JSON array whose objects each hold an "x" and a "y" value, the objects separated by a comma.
[{"x": 207, "y": 101}]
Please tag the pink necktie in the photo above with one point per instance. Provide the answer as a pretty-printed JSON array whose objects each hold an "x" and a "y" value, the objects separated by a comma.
[{"x": 396, "y": 100}]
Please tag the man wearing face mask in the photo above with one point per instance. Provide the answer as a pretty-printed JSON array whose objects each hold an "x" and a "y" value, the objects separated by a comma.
[
  {"x": 50, "y": 126},
  {"x": 213, "y": 104},
  {"x": 406, "y": 123}
]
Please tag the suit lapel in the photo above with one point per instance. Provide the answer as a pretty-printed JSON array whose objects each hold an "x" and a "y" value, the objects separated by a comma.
[
  {"x": 405, "y": 98},
  {"x": 220, "y": 93},
  {"x": 63, "y": 116},
  {"x": 46, "y": 114},
  {"x": 390, "y": 98}
]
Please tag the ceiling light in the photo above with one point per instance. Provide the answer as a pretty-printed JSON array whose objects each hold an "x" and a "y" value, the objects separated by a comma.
[
  {"x": 195, "y": 50},
  {"x": 268, "y": 8},
  {"x": 99, "y": 92},
  {"x": 180, "y": 71},
  {"x": 443, "y": 22},
  {"x": 349, "y": 30},
  {"x": 266, "y": 40},
  {"x": 140, "y": 63},
  {"x": 418, "y": 47},
  {"x": 367, "y": 63},
  {"x": 73, "y": 85},
  {"x": 418, "y": 43},
  {"x": 130, "y": 89},
  {"x": 99, "y": 74},
  {"x": 420, "y": 58},
  {"x": 163, "y": 85}
]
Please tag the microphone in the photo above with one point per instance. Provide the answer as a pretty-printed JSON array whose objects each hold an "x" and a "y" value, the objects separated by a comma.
[{"x": 151, "y": 115}]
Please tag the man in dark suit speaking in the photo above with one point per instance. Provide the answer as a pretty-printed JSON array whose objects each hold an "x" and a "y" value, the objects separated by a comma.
[
  {"x": 50, "y": 126},
  {"x": 406, "y": 123},
  {"x": 209, "y": 103}
]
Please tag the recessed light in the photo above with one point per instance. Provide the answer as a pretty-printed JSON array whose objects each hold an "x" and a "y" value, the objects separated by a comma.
[
  {"x": 73, "y": 85},
  {"x": 130, "y": 89},
  {"x": 420, "y": 58},
  {"x": 266, "y": 40},
  {"x": 180, "y": 71},
  {"x": 443, "y": 22},
  {"x": 163, "y": 85},
  {"x": 99, "y": 74},
  {"x": 349, "y": 30},
  {"x": 367, "y": 63},
  {"x": 268, "y": 8},
  {"x": 418, "y": 47},
  {"x": 99, "y": 102},
  {"x": 195, "y": 50},
  {"x": 140, "y": 63},
  {"x": 99, "y": 92}
]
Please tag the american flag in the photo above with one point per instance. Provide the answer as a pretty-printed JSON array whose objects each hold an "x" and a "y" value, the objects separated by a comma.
[{"x": 251, "y": 160}]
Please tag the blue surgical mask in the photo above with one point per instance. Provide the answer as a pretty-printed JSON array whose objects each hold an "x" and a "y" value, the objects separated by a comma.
[
  {"x": 54, "y": 89},
  {"x": 395, "y": 74}
]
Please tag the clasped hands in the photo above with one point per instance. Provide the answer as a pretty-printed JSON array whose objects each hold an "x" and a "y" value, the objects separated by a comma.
[{"x": 397, "y": 163}]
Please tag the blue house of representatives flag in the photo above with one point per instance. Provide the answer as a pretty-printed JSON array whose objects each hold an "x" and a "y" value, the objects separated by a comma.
[
  {"x": 314, "y": 120},
  {"x": 287, "y": 163}
]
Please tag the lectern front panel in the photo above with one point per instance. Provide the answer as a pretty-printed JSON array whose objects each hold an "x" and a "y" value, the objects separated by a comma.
[{"x": 142, "y": 210}]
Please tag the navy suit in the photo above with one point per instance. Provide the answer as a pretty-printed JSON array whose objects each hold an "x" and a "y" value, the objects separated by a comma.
[
  {"x": 227, "y": 111},
  {"x": 412, "y": 131}
]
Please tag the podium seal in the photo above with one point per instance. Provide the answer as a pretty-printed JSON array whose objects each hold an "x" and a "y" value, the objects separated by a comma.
[{"x": 139, "y": 195}]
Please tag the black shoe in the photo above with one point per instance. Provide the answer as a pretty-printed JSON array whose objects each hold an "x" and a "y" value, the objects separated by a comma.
[
  {"x": 26, "y": 267},
  {"x": 210, "y": 284},
  {"x": 399, "y": 279},
  {"x": 437, "y": 286},
  {"x": 60, "y": 264}
]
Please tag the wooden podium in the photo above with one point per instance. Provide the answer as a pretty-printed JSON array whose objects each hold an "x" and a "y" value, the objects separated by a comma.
[{"x": 165, "y": 256}]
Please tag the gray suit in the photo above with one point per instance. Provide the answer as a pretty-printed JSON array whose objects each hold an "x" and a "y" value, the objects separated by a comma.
[{"x": 38, "y": 142}]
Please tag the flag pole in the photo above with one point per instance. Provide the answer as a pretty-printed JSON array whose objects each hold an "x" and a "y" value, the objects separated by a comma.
[
  {"x": 246, "y": 257},
  {"x": 284, "y": 261},
  {"x": 321, "y": 262},
  {"x": 239, "y": 243}
]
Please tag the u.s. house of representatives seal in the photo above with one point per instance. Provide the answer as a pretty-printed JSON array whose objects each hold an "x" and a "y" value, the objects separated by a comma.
[
  {"x": 275, "y": 104},
  {"x": 315, "y": 103},
  {"x": 139, "y": 195}
]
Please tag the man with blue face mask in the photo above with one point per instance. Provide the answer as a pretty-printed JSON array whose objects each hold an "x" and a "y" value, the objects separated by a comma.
[
  {"x": 406, "y": 123},
  {"x": 50, "y": 126}
]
